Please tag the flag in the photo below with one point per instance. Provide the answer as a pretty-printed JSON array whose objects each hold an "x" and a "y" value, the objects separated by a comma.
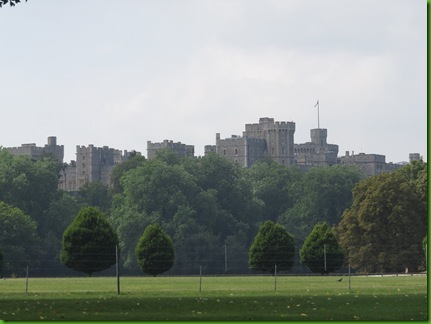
[{"x": 316, "y": 103}]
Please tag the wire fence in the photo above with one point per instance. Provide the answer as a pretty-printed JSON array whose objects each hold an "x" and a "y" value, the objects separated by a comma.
[{"x": 223, "y": 262}]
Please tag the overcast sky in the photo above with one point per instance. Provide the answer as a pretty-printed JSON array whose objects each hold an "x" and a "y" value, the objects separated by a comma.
[{"x": 121, "y": 73}]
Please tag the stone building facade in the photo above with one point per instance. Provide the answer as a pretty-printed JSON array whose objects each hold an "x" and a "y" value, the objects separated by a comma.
[
  {"x": 275, "y": 140},
  {"x": 369, "y": 164},
  {"x": 36, "y": 153},
  {"x": 179, "y": 148},
  {"x": 317, "y": 152},
  {"x": 92, "y": 164},
  {"x": 266, "y": 139}
]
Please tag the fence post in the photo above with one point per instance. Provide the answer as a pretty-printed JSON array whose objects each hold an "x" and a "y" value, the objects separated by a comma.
[
  {"x": 275, "y": 278},
  {"x": 225, "y": 258},
  {"x": 200, "y": 279},
  {"x": 26, "y": 280},
  {"x": 117, "y": 267},
  {"x": 324, "y": 255},
  {"x": 349, "y": 277}
]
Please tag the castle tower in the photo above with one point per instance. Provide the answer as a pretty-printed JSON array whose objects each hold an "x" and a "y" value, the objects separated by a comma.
[
  {"x": 278, "y": 136},
  {"x": 318, "y": 136}
]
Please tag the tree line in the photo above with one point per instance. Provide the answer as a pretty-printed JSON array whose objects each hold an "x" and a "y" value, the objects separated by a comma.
[{"x": 207, "y": 203}]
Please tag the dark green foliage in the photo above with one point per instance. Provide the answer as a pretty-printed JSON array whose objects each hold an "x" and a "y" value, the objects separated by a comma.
[
  {"x": 119, "y": 170},
  {"x": 11, "y": 2},
  {"x": 130, "y": 225},
  {"x": 159, "y": 187},
  {"x": 1, "y": 261},
  {"x": 60, "y": 213},
  {"x": 28, "y": 185},
  {"x": 272, "y": 246},
  {"x": 18, "y": 240},
  {"x": 96, "y": 194},
  {"x": 321, "y": 194},
  {"x": 89, "y": 242},
  {"x": 155, "y": 251},
  {"x": 321, "y": 240},
  {"x": 384, "y": 228},
  {"x": 273, "y": 184}
]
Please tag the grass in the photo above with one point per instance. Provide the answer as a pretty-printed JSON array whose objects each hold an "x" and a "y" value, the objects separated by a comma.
[{"x": 221, "y": 298}]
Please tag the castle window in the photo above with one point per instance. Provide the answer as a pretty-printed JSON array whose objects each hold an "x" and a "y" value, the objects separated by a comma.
[
  {"x": 282, "y": 151},
  {"x": 224, "y": 152},
  {"x": 236, "y": 151}
]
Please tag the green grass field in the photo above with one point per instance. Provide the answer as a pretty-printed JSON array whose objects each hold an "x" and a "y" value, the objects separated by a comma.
[{"x": 221, "y": 298}]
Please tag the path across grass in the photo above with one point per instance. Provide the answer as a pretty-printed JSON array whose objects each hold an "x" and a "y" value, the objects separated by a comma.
[{"x": 221, "y": 298}]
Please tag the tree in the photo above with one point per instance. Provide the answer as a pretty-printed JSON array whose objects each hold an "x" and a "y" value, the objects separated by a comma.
[
  {"x": 322, "y": 194},
  {"x": 272, "y": 246},
  {"x": 28, "y": 185},
  {"x": 159, "y": 187},
  {"x": 96, "y": 194},
  {"x": 135, "y": 160},
  {"x": 18, "y": 240},
  {"x": 1, "y": 261},
  {"x": 155, "y": 251},
  {"x": 11, "y": 2},
  {"x": 130, "y": 225},
  {"x": 89, "y": 242},
  {"x": 57, "y": 217},
  {"x": 320, "y": 251},
  {"x": 384, "y": 228},
  {"x": 272, "y": 183}
]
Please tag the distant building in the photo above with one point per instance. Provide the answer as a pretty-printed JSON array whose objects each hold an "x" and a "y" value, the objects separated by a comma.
[
  {"x": 414, "y": 157},
  {"x": 267, "y": 139},
  {"x": 275, "y": 140},
  {"x": 369, "y": 164},
  {"x": 92, "y": 164},
  {"x": 36, "y": 153},
  {"x": 179, "y": 148},
  {"x": 317, "y": 152}
]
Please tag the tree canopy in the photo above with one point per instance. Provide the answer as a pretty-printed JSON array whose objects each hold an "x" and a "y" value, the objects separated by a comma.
[
  {"x": 322, "y": 194},
  {"x": 11, "y": 2},
  {"x": 320, "y": 251},
  {"x": 273, "y": 247},
  {"x": 89, "y": 242},
  {"x": 155, "y": 251},
  {"x": 387, "y": 222},
  {"x": 19, "y": 241},
  {"x": 28, "y": 185}
]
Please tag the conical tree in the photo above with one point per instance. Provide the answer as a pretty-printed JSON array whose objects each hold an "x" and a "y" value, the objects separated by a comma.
[
  {"x": 272, "y": 246},
  {"x": 320, "y": 251},
  {"x": 89, "y": 242},
  {"x": 155, "y": 251}
]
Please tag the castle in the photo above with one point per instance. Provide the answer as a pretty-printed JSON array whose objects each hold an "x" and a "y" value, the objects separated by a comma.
[
  {"x": 36, "y": 153},
  {"x": 266, "y": 139}
]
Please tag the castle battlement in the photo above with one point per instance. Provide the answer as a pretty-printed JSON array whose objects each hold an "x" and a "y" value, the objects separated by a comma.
[
  {"x": 177, "y": 147},
  {"x": 37, "y": 152}
]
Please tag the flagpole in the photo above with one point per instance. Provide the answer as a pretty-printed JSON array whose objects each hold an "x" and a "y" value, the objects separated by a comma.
[{"x": 318, "y": 121}]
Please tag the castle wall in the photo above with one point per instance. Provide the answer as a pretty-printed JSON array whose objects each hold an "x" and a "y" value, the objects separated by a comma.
[
  {"x": 36, "y": 153},
  {"x": 317, "y": 152},
  {"x": 179, "y": 148},
  {"x": 369, "y": 164},
  {"x": 92, "y": 164},
  {"x": 232, "y": 148}
]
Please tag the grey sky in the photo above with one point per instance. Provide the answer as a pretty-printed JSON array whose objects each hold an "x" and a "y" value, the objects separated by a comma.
[{"x": 121, "y": 73}]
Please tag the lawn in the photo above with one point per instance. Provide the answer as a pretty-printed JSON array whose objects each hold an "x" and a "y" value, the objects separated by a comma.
[{"x": 220, "y": 298}]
